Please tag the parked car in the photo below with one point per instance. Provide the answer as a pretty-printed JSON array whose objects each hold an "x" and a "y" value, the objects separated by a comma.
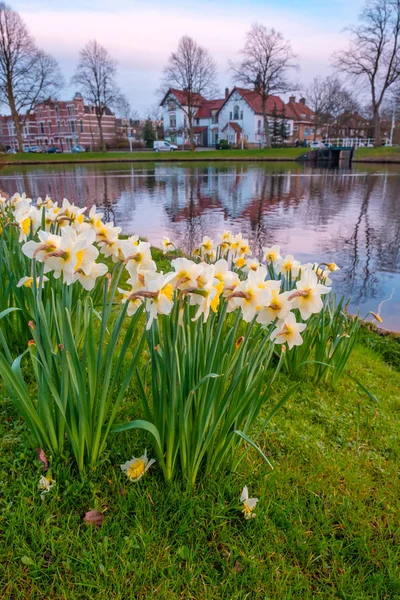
[
  {"x": 164, "y": 146},
  {"x": 35, "y": 149},
  {"x": 53, "y": 150},
  {"x": 11, "y": 151},
  {"x": 78, "y": 148},
  {"x": 316, "y": 145}
]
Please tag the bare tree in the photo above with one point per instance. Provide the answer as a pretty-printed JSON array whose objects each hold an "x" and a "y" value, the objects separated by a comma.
[
  {"x": 192, "y": 70},
  {"x": 373, "y": 57},
  {"x": 27, "y": 74},
  {"x": 319, "y": 97},
  {"x": 127, "y": 114},
  {"x": 95, "y": 77},
  {"x": 342, "y": 106},
  {"x": 267, "y": 59}
]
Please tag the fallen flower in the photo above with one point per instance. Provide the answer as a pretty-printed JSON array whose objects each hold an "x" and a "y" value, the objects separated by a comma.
[
  {"x": 249, "y": 504},
  {"x": 137, "y": 467}
]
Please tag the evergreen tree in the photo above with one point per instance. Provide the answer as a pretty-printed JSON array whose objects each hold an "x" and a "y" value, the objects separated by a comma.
[
  {"x": 283, "y": 128},
  {"x": 275, "y": 126},
  {"x": 148, "y": 134}
]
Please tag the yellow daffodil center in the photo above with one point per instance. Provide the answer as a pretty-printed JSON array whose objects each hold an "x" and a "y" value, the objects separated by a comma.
[
  {"x": 168, "y": 291},
  {"x": 246, "y": 509},
  {"x": 28, "y": 282},
  {"x": 240, "y": 262},
  {"x": 271, "y": 257},
  {"x": 136, "y": 469},
  {"x": 79, "y": 259},
  {"x": 26, "y": 225},
  {"x": 215, "y": 301}
]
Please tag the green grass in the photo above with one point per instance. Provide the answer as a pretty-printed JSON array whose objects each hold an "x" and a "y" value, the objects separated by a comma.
[
  {"x": 327, "y": 521},
  {"x": 383, "y": 154},
  {"x": 267, "y": 154}
]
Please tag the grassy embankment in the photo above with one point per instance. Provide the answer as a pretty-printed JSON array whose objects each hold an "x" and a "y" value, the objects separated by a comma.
[
  {"x": 272, "y": 154},
  {"x": 327, "y": 521},
  {"x": 383, "y": 155}
]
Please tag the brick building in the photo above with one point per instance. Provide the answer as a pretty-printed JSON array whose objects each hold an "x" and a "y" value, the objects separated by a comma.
[{"x": 62, "y": 124}]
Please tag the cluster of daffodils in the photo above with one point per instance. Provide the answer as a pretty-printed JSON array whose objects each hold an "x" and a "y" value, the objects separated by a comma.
[{"x": 69, "y": 242}]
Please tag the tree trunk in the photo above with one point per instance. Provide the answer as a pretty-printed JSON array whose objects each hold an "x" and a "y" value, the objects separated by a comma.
[
  {"x": 267, "y": 134},
  {"x": 191, "y": 134},
  {"x": 15, "y": 116},
  {"x": 102, "y": 144},
  {"x": 377, "y": 128}
]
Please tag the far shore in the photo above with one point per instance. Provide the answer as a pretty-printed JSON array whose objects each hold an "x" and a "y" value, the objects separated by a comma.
[{"x": 383, "y": 155}]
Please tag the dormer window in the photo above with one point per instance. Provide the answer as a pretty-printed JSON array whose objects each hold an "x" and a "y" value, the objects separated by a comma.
[{"x": 171, "y": 105}]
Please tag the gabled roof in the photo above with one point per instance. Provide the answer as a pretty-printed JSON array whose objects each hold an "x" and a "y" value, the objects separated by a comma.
[
  {"x": 299, "y": 112},
  {"x": 199, "y": 128},
  {"x": 253, "y": 99},
  {"x": 181, "y": 97},
  {"x": 205, "y": 109},
  {"x": 235, "y": 126}
]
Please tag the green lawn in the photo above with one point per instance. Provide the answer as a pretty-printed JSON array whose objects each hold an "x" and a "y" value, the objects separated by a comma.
[
  {"x": 268, "y": 154},
  {"x": 327, "y": 521},
  {"x": 383, "y": 154}
]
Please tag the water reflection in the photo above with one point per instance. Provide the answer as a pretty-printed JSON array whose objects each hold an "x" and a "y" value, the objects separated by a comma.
[{"x": 349, "y": 216}]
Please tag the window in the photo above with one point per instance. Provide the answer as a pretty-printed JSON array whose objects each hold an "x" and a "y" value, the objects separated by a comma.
[
  {"x": 295, "y": 128},
  {"x": 81, "y": 123},
  {"x": 58, "y": 126},
  {"x": 73, "y": 126},
  {"x": 49, "y": 124},
  {"x": 241, "y": 115},
  {"x": 236, "y": 113},
  {"x": 259, "y": 126},
  {"x": 230, "y": 116},
  {"x": 197, "y": 121},
  {"x": 172, "y": 121},
  {"x": 56, "y": 109},
  {"x": 171, "y": 105},
  {"x": 185, "y": 121},
  {"x": 71, "y": 110},
  {"x": 41, "y": 127}
]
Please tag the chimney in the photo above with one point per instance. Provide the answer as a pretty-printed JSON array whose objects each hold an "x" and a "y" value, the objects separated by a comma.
[
  {"x": 302, "y": 101},
  {"x": 292, "y": 99},
  {"x": 226, "y": 92}
]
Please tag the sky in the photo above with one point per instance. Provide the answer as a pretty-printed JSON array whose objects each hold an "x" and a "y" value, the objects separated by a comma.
[{"x": 141, "y": 34}]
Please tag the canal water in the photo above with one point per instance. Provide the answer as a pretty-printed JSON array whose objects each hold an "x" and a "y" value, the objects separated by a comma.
[{"x": 349, "y": 216}]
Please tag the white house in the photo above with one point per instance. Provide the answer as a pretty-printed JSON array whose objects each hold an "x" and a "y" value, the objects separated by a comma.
[
  {"x": 240, "y": 116},
  {"x": 175, "y": 117}
]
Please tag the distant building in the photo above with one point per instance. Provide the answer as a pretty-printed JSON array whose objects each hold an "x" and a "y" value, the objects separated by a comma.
[
  {"x": 62, "y": 124},
  {"x": 238, "y": 118},
  {"x": 303, "y": 120}
]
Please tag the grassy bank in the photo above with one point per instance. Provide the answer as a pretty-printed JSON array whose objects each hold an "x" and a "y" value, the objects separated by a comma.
[
  {"x": 273, "y": 154},
  {"x": 327, "y": 519},
  {"x": 383, "y": 155}
]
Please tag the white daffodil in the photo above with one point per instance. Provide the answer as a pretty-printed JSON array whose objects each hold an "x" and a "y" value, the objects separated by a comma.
[
  {"x": 251, "y": 295},
  {"x": 137, "y": 467},
  {"x": 332, "y": 266},
  {"x": 279, "y": 306},
  {"x": 28, "y": 218},
  {"x": 131, "y": 296},
  {"x": 239, "y": 262},
  {"x": 249, "y": 504},
  {"x": 139, "y": 258},
  {"x": 48, "y": 243},
  {"x": 45, "y": 485},
  {"x": 76, "y": 253},
  {"x": 307, "y": 297},
  {"x": 186, "y": 273},
  {"x": 288, "y": 266},
  {"x": 70, "y": 215},
  {"x": 205, "y": 292},
  {"x": 46, "y": 203},
  {"x": 206, "y": 246},
  {"x": 88, "y": 280},
  {"x": 167, "y": 245},
  {"x": 159, "y": 294},
  {"x": 272, "y": 254},
  {"x": 251, "y": 264},
  {"x": 28, "y": 281},
  {"x": 288, "y": 331}
]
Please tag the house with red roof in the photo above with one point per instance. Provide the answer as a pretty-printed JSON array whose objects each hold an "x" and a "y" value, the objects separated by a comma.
[
  {"x": 303, "y": 120},
  {"x": 240, "y": 118},
  {"x": 237, "y": 118}
]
